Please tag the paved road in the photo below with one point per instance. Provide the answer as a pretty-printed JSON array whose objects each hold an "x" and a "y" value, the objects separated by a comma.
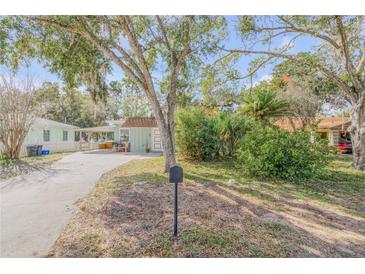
[{"x": 35, "y": 207}]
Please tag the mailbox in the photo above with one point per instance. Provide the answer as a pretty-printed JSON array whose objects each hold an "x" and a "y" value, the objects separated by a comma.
[{"x": 176, "y": 174}]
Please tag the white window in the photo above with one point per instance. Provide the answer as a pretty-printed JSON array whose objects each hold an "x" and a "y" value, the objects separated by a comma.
[
  {"x": 124, "y": 134},
  {"x": 46, "y": 135},
  {"x": 65, "y": 135}
]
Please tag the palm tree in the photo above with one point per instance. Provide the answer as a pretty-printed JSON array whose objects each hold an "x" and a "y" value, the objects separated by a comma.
[
  {"x": 231, "y": 128},
  {"x": 264, "y": 105}
]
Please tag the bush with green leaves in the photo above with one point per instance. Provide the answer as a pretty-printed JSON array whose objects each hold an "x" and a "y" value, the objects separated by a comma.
[
  {"x": 4, "y": 160},
  {"x": 196, "y": 135},
  {"x": 271, "y": 152},
  {"x": 231, "y": 127}
]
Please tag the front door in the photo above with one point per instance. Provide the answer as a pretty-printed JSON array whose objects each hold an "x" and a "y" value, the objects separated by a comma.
[{"x": 156, "y": 140}]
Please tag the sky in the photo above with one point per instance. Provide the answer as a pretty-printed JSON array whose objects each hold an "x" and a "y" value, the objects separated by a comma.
[{"x": 38, "y": 73}]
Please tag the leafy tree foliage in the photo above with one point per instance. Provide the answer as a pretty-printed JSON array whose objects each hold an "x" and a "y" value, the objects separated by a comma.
[
  {"x": 304, "y": 73},
  {"x": 307, "y": 77},
  {"x": 84, "y": 48},
  {"x": 340, "y": 57},
  {"x": 69, "y": 105},
  {"x": 126, "y": 100},
  {"x": 219, "y": 85}
]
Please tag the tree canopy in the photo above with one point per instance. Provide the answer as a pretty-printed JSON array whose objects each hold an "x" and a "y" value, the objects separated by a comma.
[{"x": 164, "y": 56}]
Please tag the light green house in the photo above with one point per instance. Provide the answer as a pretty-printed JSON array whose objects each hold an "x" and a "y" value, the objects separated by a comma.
[
  {"x": 140, "y": 133},
  {"x": 53, "y": 136}
]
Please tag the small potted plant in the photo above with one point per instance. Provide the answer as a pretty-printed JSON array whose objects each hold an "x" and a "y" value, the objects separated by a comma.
[{"x": 146, "y": 148}]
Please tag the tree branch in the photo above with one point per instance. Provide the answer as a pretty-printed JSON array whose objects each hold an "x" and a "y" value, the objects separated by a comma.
[
  {"x": 361, "y": 66},
  {"x": 294, "y": 28},
  {"x": 164, "y": 35},
  {"x": 347, "y": 91},
  {"x": 346, "y": 53},
  {"x": 128, "y": 29}
]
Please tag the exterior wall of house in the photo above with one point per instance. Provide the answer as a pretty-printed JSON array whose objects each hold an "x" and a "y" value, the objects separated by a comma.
[
  {"x": 326, "y": 133},
  {"x": 139, "y": 138},
  {"x": 117, "y": 134},
  {"x": 335, "y": 138},
  {"x": 55, "y": 144}
]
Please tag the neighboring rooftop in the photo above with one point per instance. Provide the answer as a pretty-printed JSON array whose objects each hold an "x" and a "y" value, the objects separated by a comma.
[
  {"x": 334, "y": 123},
  {"x": 98, "y": 129},
  {"x": 289, "y": 124},
  {"x": 140, "y": 122},
  {"x": 115, "y": 122},
  {"x": 46, "y": 122}
]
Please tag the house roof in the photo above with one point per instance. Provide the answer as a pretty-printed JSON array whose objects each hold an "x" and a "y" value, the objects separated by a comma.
[
  {"x": 338, "y": 123},
  {"x": 140, "y": 122},
  {"x": 333, "y": 123},
  {"x": 46, "y": 122},
  {"x": 115, "y": 122},
  {"x": 289, "y": 125},
  {"x": 97, "y": 129}
]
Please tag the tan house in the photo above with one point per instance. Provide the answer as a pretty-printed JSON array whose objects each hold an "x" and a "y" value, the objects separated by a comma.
[{"x": 335, "y": 129}]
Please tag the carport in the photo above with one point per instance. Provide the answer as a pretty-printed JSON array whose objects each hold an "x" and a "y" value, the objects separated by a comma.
[{"x": 96, "y": 137}]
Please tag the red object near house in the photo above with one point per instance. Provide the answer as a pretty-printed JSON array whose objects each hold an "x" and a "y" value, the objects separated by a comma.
[{"x": 345, "y": 148}]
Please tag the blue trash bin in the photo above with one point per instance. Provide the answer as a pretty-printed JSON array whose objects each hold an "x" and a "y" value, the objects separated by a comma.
[{"x": 45, "y": 152}]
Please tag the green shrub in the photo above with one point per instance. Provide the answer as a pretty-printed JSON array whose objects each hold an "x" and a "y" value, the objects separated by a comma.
[
  {"x": 5, "y": 160},
  {"x": 272, "y": 152},
  {"x": 231, "y": 127},
  {"x": 196, "y": 135}
]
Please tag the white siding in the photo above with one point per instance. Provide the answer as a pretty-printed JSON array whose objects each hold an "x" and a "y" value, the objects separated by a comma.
[{"x": 56, "y": 143}]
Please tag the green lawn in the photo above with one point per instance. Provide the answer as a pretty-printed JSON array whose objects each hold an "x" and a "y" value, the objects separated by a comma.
[
  {"x": 339, "y": 184},
  {"x": 10, "y": 168},
  {"x": 253, "y": 218}
]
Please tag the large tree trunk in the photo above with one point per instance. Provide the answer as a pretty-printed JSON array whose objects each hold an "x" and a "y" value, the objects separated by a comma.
[
  {"x": 171, "y": 105},
  {"x": 167, "y": 143},
  {"x": 167, "y": 134},
  {"x": 169, "y": 152},
  {"x": 12, "y": 146},
  {"x": 357, "y": 131}
]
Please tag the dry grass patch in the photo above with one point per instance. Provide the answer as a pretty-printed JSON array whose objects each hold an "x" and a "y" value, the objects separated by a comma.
[
  {"x": 130, "y": 214},
  {"x": 24, "y": 165}
]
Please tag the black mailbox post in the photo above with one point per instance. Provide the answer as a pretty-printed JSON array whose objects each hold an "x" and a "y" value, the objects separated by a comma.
[{"x": 176, "y": 176}]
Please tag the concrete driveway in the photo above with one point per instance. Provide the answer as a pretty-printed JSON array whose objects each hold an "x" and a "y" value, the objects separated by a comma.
[{"x": 35, "y": 207}]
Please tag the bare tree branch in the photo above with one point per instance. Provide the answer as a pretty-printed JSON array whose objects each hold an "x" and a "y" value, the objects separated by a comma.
[{"x": 18, "y": 110}]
